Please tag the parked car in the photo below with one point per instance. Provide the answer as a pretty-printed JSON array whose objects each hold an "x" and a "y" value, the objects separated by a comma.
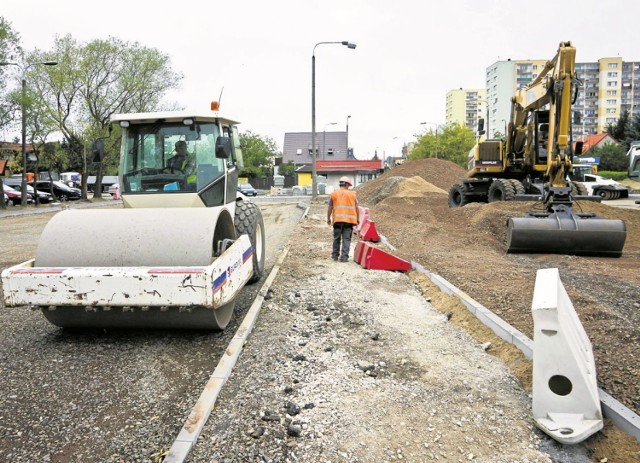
[
  {"x": 15, "y": 197},
  {"x": 43, "y": 196},
  {"x": 247, "y": 190},
  {"x": 6, "y": 199},
  {"x": 60, "y": 190}
]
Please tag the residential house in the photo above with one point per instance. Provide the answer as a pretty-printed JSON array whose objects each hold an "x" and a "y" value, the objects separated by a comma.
[{"x": 358, "y": 171}]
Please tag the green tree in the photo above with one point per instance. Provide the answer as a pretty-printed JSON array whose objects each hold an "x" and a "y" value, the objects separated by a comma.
[
  {"x": 633, "y": 130},
  {"x": 619, "y": 129},
  {"x": 10, "y": 52},
  {"x": 287, "y": 169},
  {"x": 93, "y": 81},
  {"x": 453, "y": 143},
  {"x": 613, "y": 157},
  {"x": 258, "y": 153}
]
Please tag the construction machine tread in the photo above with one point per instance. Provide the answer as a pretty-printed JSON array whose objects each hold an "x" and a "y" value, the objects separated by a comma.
[
  {"x": 501, "y": 189},
  {"x": 458, "y": 196},
  {"x": 248, "y": 221},
  {"x": 579, "y": 189}
]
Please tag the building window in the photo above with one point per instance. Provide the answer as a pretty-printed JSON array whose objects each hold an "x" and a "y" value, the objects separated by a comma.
[
  {"x": 330, "y": 151},
  {"x": 611, "y": 120},
  {"x": 613, "y": 66},
  {"x": 611, "y": 110},
  {"x": 299, "y": 151},
  {"x": 612, "y": 83},
  {"x": 612, "y": 74},
  {"x": 612, "y": 92}
]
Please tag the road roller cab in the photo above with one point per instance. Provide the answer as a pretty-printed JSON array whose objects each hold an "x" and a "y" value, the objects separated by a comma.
[{"x": 180, "y": 249}]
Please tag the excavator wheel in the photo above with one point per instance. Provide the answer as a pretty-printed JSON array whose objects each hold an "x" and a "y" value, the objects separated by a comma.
[
  {"x": 458, "y": 196},
  {"x": 517, "y": 186},
  {"x": 248, "y": 221},
  {"x": 501, "y": 190}
]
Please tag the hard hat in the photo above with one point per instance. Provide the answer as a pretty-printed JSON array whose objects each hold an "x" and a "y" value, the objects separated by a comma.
[{"x": 346, "y": 180}]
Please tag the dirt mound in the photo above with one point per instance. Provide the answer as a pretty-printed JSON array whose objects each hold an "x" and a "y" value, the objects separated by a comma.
[
  {"x": 437, "y": 172},
  {"x": 397, "y": 186}
]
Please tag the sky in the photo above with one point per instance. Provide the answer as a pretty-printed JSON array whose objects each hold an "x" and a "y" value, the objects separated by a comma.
[{"x": 409, "y": 53}]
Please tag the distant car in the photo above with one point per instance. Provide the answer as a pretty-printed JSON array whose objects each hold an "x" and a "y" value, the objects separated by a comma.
[
  {"x": 247, "y": 190},
  {"x": 60, "y": 190},
  {"x": 15, "y": 197},
  {"x": 43, "y": 196}
]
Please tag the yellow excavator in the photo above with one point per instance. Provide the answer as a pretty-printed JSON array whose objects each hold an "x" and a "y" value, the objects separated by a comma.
[{"x": 533, "y": 163}]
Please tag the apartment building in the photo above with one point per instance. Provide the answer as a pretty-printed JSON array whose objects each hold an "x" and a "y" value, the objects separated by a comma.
[
  {"x": 466, "y": 107},
  {"x": 609, "y": 87}
]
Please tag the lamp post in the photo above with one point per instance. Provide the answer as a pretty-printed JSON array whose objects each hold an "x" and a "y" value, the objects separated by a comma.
[
  {"x": 486, "y": 103},
  {"x": 436, "y": 126},
  {"x": 24, "y": 192},
  {"x": 324, "y": 138},
  {"x": 348, "y": 117},
  {"x": 314, "y": 182}
]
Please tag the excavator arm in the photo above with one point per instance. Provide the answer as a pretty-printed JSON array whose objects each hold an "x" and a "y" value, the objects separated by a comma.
[{"x": 558, "y": 229}]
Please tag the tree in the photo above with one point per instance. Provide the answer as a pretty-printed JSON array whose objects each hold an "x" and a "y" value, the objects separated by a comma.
[
  {"x": 10, "y": 52},
  {"x": 93, "y": 81},
  {"x": 258, "y": 153},
  {"x": 287, "y": 169},
  {"x": 618, "y": 131},
  {"x": 613, "y": 157},
  {"x": 633, "y": 130},
  {"x": 453, "y": 142}
]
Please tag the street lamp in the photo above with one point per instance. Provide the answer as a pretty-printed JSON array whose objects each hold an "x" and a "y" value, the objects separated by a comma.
[
  {"x": 324, "y": 138},
  {"x": 436, "y": 126},
  {"x": 348, "y": 117},
  {"x": 24, "y": 192},
  {"x": 314, "y": 182}
]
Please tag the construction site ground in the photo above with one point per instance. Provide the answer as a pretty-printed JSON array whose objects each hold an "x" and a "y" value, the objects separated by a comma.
[{"x": 348, "y": 365}]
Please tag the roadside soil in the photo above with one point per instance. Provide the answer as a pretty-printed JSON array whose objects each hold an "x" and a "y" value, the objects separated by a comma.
[{"x": 467, "y": 246}]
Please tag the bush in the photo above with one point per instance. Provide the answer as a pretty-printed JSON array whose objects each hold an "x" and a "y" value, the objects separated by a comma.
[{"x": 613, "y": 175}]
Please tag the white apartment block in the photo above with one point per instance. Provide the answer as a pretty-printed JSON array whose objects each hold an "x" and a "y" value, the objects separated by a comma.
[{"x": 609, "y": 87}]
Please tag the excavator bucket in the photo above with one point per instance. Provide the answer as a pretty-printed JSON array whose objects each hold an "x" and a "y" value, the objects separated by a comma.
[{"x": 564, "y": 232}]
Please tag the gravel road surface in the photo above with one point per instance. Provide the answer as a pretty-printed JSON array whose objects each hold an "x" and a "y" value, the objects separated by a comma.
[{"x": 103, "y": 396}]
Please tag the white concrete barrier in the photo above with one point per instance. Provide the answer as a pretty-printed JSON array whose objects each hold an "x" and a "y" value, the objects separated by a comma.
[{"x": 566, "y": 405}]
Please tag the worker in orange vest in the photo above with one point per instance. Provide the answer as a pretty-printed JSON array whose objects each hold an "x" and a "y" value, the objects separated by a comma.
[{"x": 343, "y": 206}]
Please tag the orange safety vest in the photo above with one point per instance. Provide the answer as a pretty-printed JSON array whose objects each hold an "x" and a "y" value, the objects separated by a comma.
[{"x": 344, "y": 206}]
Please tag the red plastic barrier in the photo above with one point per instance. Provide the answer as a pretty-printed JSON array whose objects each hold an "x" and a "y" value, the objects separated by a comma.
[
  {"x": 368, "y": 231},
  {"x": 364, "y": 217},
  {"x": 377, "y": 259},
  {"x": 360, "y": 251}
]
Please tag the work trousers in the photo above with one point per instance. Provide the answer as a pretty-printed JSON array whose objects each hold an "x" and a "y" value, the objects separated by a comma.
[{"x": 341, "y": 232}]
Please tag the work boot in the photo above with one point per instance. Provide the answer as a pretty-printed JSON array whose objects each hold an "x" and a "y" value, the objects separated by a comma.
[
  {"x": 334, "y": 257},
  {"x": 344, "y": 259}
]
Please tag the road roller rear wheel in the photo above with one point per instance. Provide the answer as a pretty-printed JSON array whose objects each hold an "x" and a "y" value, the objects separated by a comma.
[{"x": 248, "y": 221}]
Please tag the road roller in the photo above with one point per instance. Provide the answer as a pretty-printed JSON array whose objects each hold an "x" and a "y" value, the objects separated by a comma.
[
  {"x": 178, "y": 252},
  {"x": 533, "y": 162}
]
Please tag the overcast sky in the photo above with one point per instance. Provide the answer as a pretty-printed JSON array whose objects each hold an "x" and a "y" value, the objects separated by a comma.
[{"x": 409, "y": 53}]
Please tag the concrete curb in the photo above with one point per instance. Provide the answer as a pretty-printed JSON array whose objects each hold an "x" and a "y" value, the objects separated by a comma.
[
  {"x": 200, "y": 412},
  {"x": 623, "y": 417}
]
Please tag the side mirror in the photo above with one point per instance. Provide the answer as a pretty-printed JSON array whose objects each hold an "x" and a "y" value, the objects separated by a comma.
[
  {"x": 578, "y": 149},
  {"x": 223, "y": 147}
]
